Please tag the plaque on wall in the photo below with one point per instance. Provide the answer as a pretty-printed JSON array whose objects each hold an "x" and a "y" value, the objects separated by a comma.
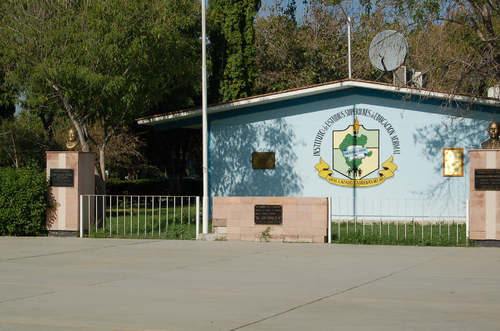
[
  {"x": 62, "y": 178},
  {"x": 453, "y": 162},
  {"x": 263, "y": 160},
  {"x": 269, "y": 214},
  {"x": 487, "y": 179}
]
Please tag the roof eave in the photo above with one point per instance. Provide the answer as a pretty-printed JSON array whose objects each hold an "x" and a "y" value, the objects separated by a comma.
[{"x": 310, "y": 91}]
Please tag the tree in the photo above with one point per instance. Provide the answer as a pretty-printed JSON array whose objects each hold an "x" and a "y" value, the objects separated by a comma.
[
  {"x": 324, "y": 36},
  {"x": 458, "y": 41},
  {"x": 23, "y": 141},
  {"x": 295, "y": 52},
  {"x": 175, "y": 151},
  {"x": 7, "y": 97},
  {"x": 364, "y": 28},
  {"x": 280, "y": 53},
  {"x": 291, "y": 54},
  {"x": 7, "y": 92},
  {"x": 124, "y": 149},
  {"x": 232, "y": 38},
  {"x": 99, "y": 61}
]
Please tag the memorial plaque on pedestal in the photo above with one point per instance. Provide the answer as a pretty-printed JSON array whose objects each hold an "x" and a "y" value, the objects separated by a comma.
[
  {"x": 484, "y": 194},
  {"x": 487, "y": 179},
  {"x": 269, "y": 214},
  {"x": 62, "y": 178}
]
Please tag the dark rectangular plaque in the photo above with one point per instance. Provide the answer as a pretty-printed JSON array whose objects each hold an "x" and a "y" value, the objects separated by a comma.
[
  {"x": 268, "y": 214},
  {"x": 263, "y": 160},
  {"x": 487, "y": 179},
  {"x": 62, "y": 177}
]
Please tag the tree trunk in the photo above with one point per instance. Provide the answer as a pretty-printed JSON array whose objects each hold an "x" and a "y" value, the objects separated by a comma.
[{"x": 102, "y": 165}]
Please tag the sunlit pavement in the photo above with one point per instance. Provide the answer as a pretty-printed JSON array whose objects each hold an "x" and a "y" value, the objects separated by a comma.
[{"x": 111, "y": 284}]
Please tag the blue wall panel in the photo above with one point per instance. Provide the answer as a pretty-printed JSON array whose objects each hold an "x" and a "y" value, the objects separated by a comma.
[{"x": 302, "y": 131}]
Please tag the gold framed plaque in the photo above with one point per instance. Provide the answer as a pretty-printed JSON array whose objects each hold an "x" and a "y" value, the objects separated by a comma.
[
  {"x": 263, "y": 160},
  {"x": 453, "y": 162}
]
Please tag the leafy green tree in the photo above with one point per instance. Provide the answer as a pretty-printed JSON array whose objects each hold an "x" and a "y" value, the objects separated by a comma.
[
  {"x": 313, "y": 49},
  {"x": 7, "y": 97},
  {"x": 7, "y": 92},
  {"x": 23, "y": 141},
  {"x": 232, "y": 38},
  {"x": 324, "y": 36},
  {"x": 98, "y": 60},
  {"x": 280, "y": 53}
]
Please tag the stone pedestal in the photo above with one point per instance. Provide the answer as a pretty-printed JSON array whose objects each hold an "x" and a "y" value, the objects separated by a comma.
[
  {"x": 65, "y": 217},
  {"x": 304, "y": 219},
  {"x": 484, "y": 204}
]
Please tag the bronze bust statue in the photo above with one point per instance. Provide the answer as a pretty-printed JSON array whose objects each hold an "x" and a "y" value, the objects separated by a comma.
[
  {"x": 72, "y": 142},
  {"x": 493, "y": 142}
]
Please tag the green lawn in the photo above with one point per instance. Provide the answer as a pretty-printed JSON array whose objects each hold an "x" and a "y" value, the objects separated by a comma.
[
  {"x": 397, "y": 233},
  {"x": 144, "y": 222},
  {"x": 139, "y": 221}
]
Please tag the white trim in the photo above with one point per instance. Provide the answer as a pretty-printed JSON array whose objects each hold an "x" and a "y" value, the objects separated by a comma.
[{"x": 310, "y": 91}]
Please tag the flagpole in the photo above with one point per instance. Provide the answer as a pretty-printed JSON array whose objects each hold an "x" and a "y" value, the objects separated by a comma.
[{"x": 204, "y": 118}]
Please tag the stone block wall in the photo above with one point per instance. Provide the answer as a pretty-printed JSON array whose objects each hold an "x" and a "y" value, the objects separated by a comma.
[{"x": 304, "y": 219}]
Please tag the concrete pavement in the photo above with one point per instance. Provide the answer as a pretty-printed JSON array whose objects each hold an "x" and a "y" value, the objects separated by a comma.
[{"x": 113, "y": 284}]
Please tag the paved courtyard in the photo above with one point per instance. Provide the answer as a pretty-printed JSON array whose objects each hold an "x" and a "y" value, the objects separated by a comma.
[{"x": 111, "y": 284}]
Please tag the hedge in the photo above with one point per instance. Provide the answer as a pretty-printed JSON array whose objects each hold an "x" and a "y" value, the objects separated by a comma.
[{"x": 23, "y": 201}]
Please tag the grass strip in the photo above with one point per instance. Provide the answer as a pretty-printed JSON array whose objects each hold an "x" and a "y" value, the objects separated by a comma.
[{"x": 400, "y": 233}]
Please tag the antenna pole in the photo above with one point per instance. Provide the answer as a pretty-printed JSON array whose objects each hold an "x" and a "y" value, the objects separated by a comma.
[
  {"x": 348, "y": 38},
  {"x": 349, "y": 41}
]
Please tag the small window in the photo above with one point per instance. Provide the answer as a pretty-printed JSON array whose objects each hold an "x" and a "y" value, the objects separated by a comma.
[{"x": 263, "y": 160}]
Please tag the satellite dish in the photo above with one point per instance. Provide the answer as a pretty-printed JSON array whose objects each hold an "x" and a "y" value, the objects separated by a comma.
[{"x": 388, "y": 50}]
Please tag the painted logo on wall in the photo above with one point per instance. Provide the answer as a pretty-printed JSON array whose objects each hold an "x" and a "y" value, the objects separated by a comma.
[{"x": 356, "y": 151}]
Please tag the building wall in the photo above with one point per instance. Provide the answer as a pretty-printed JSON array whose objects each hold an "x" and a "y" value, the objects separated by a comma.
[{"x": 301, "y": 133}]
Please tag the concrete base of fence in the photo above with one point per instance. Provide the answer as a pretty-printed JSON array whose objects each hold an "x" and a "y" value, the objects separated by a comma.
[
  {"x": 211, "y": 237},
  {"x": 487, "y": 243},
  {"x": 303, "y": 219},
  {"x": 65, "y": 234}
]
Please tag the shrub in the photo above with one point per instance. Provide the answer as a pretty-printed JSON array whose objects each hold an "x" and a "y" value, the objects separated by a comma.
[{"x": 23, "y": 201}]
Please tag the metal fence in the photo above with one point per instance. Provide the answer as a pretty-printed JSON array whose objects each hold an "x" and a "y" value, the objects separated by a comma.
[
  {"x": 122, "y": 215},
  {"x": 426, "y": 218}
]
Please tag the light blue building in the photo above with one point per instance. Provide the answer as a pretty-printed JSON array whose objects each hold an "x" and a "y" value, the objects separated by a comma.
[{"x": 397, "y": 152}]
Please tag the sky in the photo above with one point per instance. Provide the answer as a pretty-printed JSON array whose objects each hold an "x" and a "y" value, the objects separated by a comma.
[{"x": 300, "y": 5}]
